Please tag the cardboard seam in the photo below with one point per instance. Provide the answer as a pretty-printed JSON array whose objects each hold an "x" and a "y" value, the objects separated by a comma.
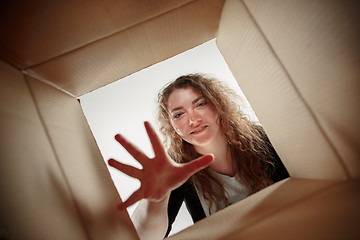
[
  {"x": 87, "y": 234},
  {"x": 16, "y": 116},
  {"x": 9, "y": 59},
  {"x": 108, "y": 36},
  {"x": 40, "y": 78},
  {"x": 301, "y": 97},
  {"x": 54, "y": 126}
]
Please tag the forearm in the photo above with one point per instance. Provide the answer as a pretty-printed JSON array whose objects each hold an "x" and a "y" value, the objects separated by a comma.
[{"x": 150, "y": 219}]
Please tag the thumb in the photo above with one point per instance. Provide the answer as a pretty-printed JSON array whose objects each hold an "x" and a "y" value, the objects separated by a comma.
[{"x": 198, "y": 164}]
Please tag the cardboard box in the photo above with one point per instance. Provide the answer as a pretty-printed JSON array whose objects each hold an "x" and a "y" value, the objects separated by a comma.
[{"x": 296, "y": 61}]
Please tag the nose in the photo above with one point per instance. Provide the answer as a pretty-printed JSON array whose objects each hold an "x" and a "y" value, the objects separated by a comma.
[{"x": 194, "y": 119}]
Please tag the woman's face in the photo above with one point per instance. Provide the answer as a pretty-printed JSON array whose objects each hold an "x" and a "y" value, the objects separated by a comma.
[{"x": 193, "y": 117}]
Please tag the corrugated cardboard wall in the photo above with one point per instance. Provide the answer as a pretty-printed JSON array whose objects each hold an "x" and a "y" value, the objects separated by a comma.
[
  {"x": 51, "y": 168},
  {"x": 291, "y": 65},
  {"x": 81, "y": 47},
  {"x": 317, "y": 43},
  {"x": 303, "y": 86},
  {"x": 38, "y": 31},
  {"x": 31, "y": 181},
  {"x": 80, "y": 159}
]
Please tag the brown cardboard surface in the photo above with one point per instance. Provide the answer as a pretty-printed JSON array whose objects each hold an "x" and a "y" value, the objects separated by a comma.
[
  {"x": 329, "y": 214},
  {"x": 35, "y": 201},
  {"x": 91, "y": 186},
  {"x": 297, "y": 63},
  {"x": 291, "y": 197},
  {"x": 34, "y": 32},
  {"x": 14, "y": 94},
  {"x": 318, "y": 44},
  {"x": 97, "y": 63},
  {"x": 287, "y": 120}
]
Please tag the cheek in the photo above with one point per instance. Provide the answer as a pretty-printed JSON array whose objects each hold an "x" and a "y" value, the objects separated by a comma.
[
  {"x": 212, "y": 114},
  {"x": 216, "y": 117},
  {"x": 178, "y": 127}
]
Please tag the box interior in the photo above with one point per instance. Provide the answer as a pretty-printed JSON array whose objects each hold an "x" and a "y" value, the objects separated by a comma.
[{"x": 297, "y": 63}]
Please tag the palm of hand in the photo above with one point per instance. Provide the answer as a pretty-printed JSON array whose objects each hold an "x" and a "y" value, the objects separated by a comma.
[{"x": 159, "y": 175}]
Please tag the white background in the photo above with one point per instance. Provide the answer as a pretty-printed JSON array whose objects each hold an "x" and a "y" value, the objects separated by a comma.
[{"x": 123, "y": 106}]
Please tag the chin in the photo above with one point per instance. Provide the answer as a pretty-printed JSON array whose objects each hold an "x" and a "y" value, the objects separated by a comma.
[{"x": 204, "y": 143}]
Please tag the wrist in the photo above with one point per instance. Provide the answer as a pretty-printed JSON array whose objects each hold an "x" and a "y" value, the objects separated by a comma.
[{"x": 157, "y": 205}]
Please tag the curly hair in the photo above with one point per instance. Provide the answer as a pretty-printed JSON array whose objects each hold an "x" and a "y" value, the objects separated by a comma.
[{"x": 246, "y": 141}]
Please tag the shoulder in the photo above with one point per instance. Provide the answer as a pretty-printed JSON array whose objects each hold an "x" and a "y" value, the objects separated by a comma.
[{"x": 279, "y": 170}]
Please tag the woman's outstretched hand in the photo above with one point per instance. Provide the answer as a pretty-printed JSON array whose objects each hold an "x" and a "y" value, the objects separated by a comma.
[{"x": 159, "y": 175}]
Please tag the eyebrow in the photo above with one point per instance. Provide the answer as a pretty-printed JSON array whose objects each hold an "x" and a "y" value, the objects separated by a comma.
[{"x": 193, "y": 102}]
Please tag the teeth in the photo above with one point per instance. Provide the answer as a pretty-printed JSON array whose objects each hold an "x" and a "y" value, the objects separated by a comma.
[{"x": 198, "y": 130}]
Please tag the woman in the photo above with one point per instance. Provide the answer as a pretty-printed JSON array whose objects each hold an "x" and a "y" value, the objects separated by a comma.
[{"x": 199, "y": 121}]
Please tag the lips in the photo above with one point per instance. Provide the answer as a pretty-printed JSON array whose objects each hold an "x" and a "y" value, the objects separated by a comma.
[{"x": 199, "y": 130}]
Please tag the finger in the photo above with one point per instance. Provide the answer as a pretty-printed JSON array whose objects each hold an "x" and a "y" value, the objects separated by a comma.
[
  {"x": 131, "y": 148},
  {"x": 135, "y": 197},
  {"x": 198, "y": 164},
  {"x": 156, "y": 143},
  {"x": 128, "y": 170}
]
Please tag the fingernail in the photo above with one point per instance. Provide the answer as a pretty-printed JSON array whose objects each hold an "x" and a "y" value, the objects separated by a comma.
[
  {"x": 117, "y": 137},
  {"x": 110, "y": 161}
]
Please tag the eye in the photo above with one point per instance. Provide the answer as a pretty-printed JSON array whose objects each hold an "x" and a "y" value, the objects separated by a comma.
[
  {"x": 201, "y": 103},
  {"x": 177, "y": 115}
]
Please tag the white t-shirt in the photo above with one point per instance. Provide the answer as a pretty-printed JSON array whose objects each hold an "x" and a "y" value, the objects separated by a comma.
[{"x": 235, "y": 192}]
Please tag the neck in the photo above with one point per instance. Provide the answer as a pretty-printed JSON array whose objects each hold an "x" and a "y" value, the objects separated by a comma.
[{"x": 223, "y": 162}]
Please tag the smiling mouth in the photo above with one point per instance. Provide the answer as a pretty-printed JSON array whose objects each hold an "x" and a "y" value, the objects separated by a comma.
[{"x": 199, "y": 130}]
